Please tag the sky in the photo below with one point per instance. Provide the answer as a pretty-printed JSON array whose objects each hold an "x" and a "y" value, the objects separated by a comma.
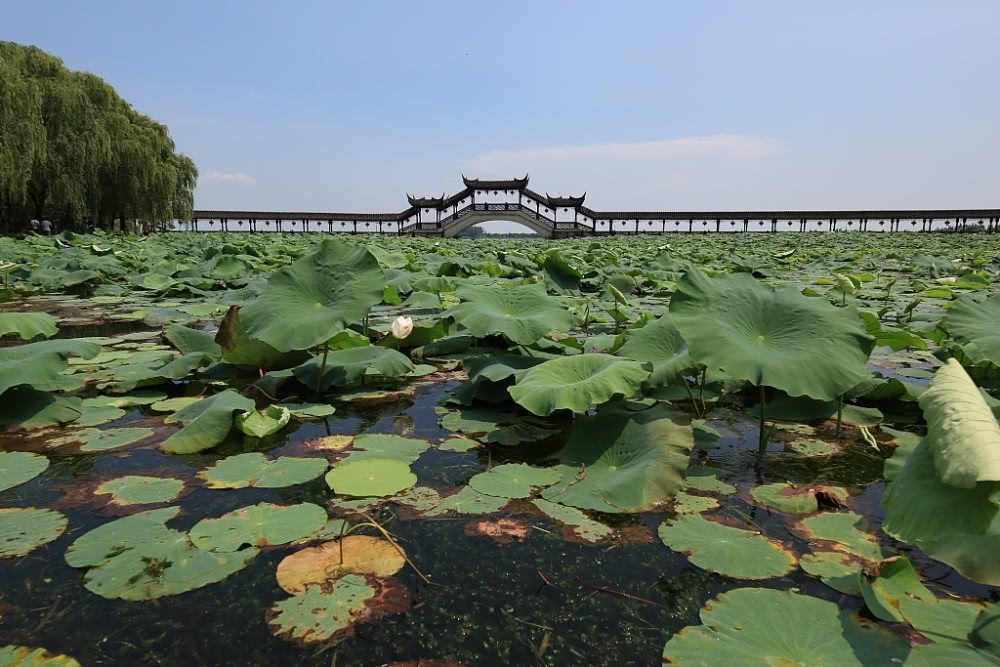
[{"x": 665, "y": 105}]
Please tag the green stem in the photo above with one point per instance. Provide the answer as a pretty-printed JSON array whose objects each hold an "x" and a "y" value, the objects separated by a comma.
[
  {"x": 701, "y": 389},
  {"x": 840, "y": 414},
  {"x": 322, "y": 366},
  {"x": 694, "y": 403},
  {"x": 762, "y": 437}
]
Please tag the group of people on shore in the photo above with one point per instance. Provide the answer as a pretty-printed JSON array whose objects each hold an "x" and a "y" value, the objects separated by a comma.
[{"x": 43, "y": 227}]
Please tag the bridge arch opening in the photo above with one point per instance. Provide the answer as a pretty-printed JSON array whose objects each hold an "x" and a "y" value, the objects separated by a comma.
[{"x": 501, "y": 228}]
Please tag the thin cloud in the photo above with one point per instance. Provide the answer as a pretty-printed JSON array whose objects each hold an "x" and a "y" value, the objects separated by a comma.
[
  {"x": 237, "y": 177},
  {"x": 721, "y": 145}
]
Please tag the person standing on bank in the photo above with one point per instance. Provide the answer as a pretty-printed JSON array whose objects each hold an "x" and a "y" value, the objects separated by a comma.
[
  {"x": 46, "y": 227},
  {"x": 34, "y": 225}
]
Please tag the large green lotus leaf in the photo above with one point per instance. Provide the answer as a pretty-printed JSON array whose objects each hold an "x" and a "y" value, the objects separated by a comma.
[
  {"x": 890, "y": 585},
  {"x": 962, "y": 433},
  {"x": 577, "y": 383},
  {"x": 22, "y": 656},
  {"x": 960, "y": 527},
  {"x": 353, "y": 365},
  {"x": 845, "y": 530},
  {"x": 19, "y": 467},
  {"x": 985, "y": 632},
  {"x": 307, "y": 302},
  {"x": 522, "y": 313},
  {"x": 206, "y": 422},
  {"x": 905, "y": 444},
  {"x": 388, "y": 446},
  {"x": 731, "y": 552},
  {"x": 141, "y": 489},
  {"x": 23, "y": 530},
  {"x": 188, "y": 340},
  {"x": 139, "y": 558},
  {"x": 582, "y": 526},
  {"x": 262, "y": 423},
  {"x": 623, "y": 461},
  {"x": 490, "y": 375},
  {"x": 36, "y": 364},
  {"x": 661, "y": 344},
  {"x": 98, "y": 440},
  {"x": 28, "y": 325},
  {"x": 761, "y": 627},
  {"x": 320, "y": 613},
  {"x": 974, "y": 324},
  {"x": 776, "y": 338},
  {"x": 837, "y": 570},
  {"x": 260, "y": 525},
  {"x": 513, "y": 480},
  {"x": 370, "y": 477},
  {"x": 240, "y": 349},
  {"x": 949, "y": 654},
  {"x": 254, "y": 469}
]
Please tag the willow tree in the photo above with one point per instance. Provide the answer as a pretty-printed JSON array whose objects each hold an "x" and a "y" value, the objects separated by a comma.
[{"x": 70, "y": 144}]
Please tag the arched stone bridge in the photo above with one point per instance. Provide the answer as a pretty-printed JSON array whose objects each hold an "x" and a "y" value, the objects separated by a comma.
[{"x": 560, "y": 217}]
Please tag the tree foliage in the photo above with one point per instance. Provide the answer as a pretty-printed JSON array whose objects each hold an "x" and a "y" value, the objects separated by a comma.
[{"x": 71, "y": 149}]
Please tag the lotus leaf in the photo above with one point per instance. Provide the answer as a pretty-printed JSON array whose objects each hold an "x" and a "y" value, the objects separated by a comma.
[
  {"x": 387, "y": 446},
  {"x": 319, "y": 614},
  {"x": 513, "y": 480},
  {"x": 36, "y": 364},
  {"x": 973, "y": 324},
  {"x": 347, "y": 367},
  {"x": 139, "y": 558},
  {"x": 174, "y": 404},
  {"x": 837, "y": 570},
  {"x": 582, "y": 526},
  {"x": 240, "y": 349},
  {"x": 986, "y": 630},
  {"x": 750, "y": 627},
  {"x": 523, "y": 313},
  {"x": 262, "y": 423},
  {"x": 28, "y": 325},
  {"x": 96, "y": 440},
  {"x": 661, "y": 344},
  {"x": 309, "y": 410},
  {"x": 189, "y": 340},
  {"x": 141, "y": 490},
  {"x": 962, "y": 433},
  {"x": 22, "y": 656},
  {"x": 845, "y": 530},
  {"x": 206, "y": 422},
  {"x": 774, "y": 338},
  {"x": 792, "y": 500},
  {"x": 254, "y": 469},
  {"x": 686, "y": 503},
  {"x": 731, "y": 552},
  {"x": 703, "y": 478},
  {"x": 307, "y": 302},
  {"x": 468, "y": 501},
  {"x": 577, "y": 383},
  {"x": 263, "y": 524},
  {"x": 24, "y": 530},
  {"x": 622, "y": 461},
  {"x": 20, "y": 467},
  {"x": 458, "y": 445},
  {"x": 353, "y": 554},
  {"x": 370, "y": 477}
]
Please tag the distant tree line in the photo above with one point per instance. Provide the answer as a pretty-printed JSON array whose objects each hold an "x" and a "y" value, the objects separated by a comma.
[{"x": 73, "y": 151}]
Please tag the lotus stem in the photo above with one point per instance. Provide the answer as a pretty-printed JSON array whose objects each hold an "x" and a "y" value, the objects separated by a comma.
[
  {"x": 762, "y": 437},
  {"x": 694, "y": 403},
  {"x": 701, "y": 389},
  {"x": 840, "y": 414},
  {"x": 322, "y": 367}
]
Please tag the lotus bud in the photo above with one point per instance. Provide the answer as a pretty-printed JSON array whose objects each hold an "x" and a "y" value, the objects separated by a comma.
[{"x": 402, "y": 327}]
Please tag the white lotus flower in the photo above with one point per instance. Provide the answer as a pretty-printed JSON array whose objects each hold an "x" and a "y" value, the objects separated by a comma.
[{"x": 402, "y": 327}]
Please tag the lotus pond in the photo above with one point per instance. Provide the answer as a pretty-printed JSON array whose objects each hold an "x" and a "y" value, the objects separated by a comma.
[{"x": 752, "y": 450}]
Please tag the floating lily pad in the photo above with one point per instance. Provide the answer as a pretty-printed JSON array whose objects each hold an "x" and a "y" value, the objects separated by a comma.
[
  {"x": 22, "y": 656},
  {"x": 513, "y": 480},
  {"x": 702, "y": 478},
  {"x": 792, "y": 499},
  {"x": 760, "y": 627},
  {"x": 837, "y": 570},
  {"x": 419, "y": 498},
  {"x": 686, "y": 503},
  {"x": 255, "y": 469},
  {"x": 174, "y": 404},
  {"x": 844, "y": 529},
  {"x": 141, "y": 490},
  {"x": 731, "y": 552},
  {"x": 468, "y": 501},
  {"x": 370, "y": 477},
  {"x": 309, "y": 410},
  {"x": 458, "y": 445},
  {"x": 354, "y": 554},
  {"x": 321, "y": 613},
  {"x": 139, "y": 558},
  {"x": 387, "y": 446},
  {"x": 264, "y": 524},
  {"x": 23, "y": 530},
  {"x": 811, "y": 447},
  {"x": 582, "y": 526},
  {"x": 206, "y": 422},
  {"x": 98, "y": 440},
  {"x": 26, "y": 408},
  {"x": 20, "y": 467}
]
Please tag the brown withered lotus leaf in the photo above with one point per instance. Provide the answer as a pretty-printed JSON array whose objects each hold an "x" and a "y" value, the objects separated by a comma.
[
  {"x": 354, "y": 554},
  {"x": 501, "y": 531}
]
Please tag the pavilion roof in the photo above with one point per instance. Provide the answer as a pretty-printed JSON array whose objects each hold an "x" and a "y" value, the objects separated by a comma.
[{"x": 504, "y": 184}]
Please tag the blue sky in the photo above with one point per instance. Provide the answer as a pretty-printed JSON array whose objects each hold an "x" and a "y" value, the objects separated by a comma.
[{"x": 670, "y": 105}]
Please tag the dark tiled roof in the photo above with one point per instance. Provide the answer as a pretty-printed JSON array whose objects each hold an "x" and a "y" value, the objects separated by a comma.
[{"x": 483, "y": 184}]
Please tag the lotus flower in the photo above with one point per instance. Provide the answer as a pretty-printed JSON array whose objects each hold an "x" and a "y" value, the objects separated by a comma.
[{"x": 402, "y": 327}]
